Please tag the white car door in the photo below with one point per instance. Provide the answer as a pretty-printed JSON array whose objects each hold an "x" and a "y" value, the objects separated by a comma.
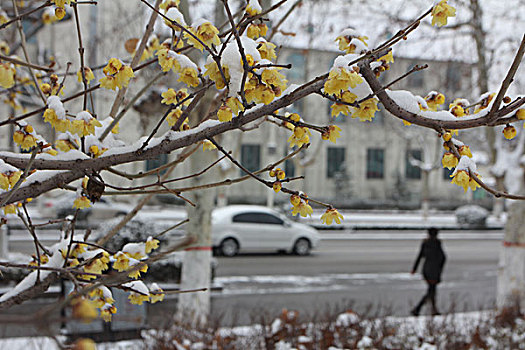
[{"x": 246, "y": 227}]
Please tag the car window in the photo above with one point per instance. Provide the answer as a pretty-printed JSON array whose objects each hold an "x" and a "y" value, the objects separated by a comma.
[{"x": 257, "y": 218}]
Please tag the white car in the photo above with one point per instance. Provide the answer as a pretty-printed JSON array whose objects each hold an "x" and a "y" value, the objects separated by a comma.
[
  {"x": 62, "y": 206},
  {"x": 249, "y": 228}
]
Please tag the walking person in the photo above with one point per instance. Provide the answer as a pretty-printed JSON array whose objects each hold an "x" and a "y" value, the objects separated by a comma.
[{"x": 434, "y": 256}]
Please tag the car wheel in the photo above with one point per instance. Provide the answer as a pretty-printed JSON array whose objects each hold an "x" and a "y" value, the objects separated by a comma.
[
  {"x": 302, "y": 247},
  {"x": 229, "y": 247}
]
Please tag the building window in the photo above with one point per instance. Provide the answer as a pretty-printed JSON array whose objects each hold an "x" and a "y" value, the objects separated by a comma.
[
  {"x": 297, "y": 72},
  {"x": 453, "y": 76},
  {"x": 375, "y": 163},
  {"x": 334, "y": 161},
  {"x": 289, "y": 168},
  {"x": 412, "y": 171},
  {"x": 447, "y": 173},
  {"x": 415, "y": 79},
  {"x": 157, "y": 162},
  {"x": 251, "y": 157}
]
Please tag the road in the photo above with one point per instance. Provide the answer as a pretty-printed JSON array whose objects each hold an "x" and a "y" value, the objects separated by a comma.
[{"x": 369, "y": 276}]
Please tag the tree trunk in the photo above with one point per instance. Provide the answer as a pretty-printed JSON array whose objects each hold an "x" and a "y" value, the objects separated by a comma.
[
  {"x": 425, "y": 194},
  {"x": 511, "y": 274},
  {"x": 193, "y": 308}
]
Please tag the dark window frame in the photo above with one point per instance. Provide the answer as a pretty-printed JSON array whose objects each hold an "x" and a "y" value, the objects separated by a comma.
[
  {"x": 154, "y": 163},
  {"x": 251, "y": 157},
  {"x": 413, "y": 172},
  {"x": 334, "y": 165},
  {"x": 255, "y": 218},
  {"x": 375, "y": 163}
]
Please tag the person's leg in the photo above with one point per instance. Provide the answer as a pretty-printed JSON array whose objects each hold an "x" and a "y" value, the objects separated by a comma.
[
  {"x": 416, "y": 310},
  {"x": 432, "y": 297}
]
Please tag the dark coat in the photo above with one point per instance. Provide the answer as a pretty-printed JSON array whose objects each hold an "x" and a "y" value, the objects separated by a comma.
[{"x": 434, "y": 259}]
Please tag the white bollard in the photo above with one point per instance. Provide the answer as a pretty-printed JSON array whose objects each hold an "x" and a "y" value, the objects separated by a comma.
[{"x": 4, "y": 241}]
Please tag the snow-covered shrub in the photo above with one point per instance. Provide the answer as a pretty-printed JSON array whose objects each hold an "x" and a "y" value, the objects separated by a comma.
[
  {"x": 167, "y": 269},
  {"x": 472, "y": 216}
]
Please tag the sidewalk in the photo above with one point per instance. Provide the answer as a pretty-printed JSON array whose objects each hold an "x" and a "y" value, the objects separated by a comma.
[{"x": 396, "y": 220}]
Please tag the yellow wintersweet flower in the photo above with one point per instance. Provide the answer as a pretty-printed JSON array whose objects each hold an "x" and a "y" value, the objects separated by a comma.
[
  {"x": 332, "y": 133},
  {"x": 62, "y": 3},
  {"x": 81, "y": 202},
  {"x": 260, "y": 94},
  {"x": 28, "y": 141},
  {"x": 441, "y": 12},
  {"x": 266, "y": 49},
  {"x": 60, "y": 13},
  {"x": 83, "y": 127},
  {"x": 166, "y": 4},
  {"x": 212, "y": 70},
  {"x": 208, "y": 145},
  {"x": 338, "y": 108},
  {"x": 108, "y": 82},
  {"x": 151, "y": 243},
  {"x": 7, "y": 75},
  {"x": 107, "y": 312},
  {"x": 300, "y": 136},
  {"x": 169, "y": 97},
  {"x": 122, "y": 261},
  {"x": 473, "y": 184},
  {"x": 434, "y": 99},
  {"x": 13, "y": 177},
  {"x": 83, "y": 309},
  {"x": 156, "y": 296},
  {"x": 295, "y": 200},
  {"x": 88, "y": 74},
  {"x": 113, "y": 66},
  {"x": 331, "y": 215},
  {"x": 465, "y": 151},
  {"x": 277, "y": 186},
  {"x": 304, "y": 209},
  {"x": 253, "y": 8},
  {"x": 255, "y": 31},
  {"x": 461, "y": 178},
  {"x": 136, "y": 272},
  {"x": 43, "y": 260},
  {"x": 78, "y": 249},
  {"x": 449, "y": 160},
  {"x": 137, "y": 298},
  {"x": 65, "y": 145},
  {"x": 509, "y": 132},
  {"x": 123, "y": 76},
  {"x": 235, "y": 105},
  {"x": 173, "y": 116},
  {"x": 340, "y": 79},
  {"x": 224, "y": 114},
  {"x": 96, "y": 266},
  {"x": 4, "y": 182},
  {"x": 10, "y": 209},
  {"x": 167, "y": 60},
  {"x": 116, "y": 74},
  {"x": 274, "y": 78},
  {"x": 84, "y": 344},
  {"x": 3, "y": 17},
  {"x": 484, "y": 102},
  {"x": 345, "y": 42},
  {"x": 366, "y": 110},
  {"x": 206, "y": 32},
  {"x": 387, "y": 58},
  {"x": 520, "y": 114},
  {"x": 189, "y": 76}
]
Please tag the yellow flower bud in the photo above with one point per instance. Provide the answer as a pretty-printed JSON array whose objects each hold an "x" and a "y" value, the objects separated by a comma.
[
  {"x": 520, "y": 114},
  {"x": 509, "y": 132}
]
